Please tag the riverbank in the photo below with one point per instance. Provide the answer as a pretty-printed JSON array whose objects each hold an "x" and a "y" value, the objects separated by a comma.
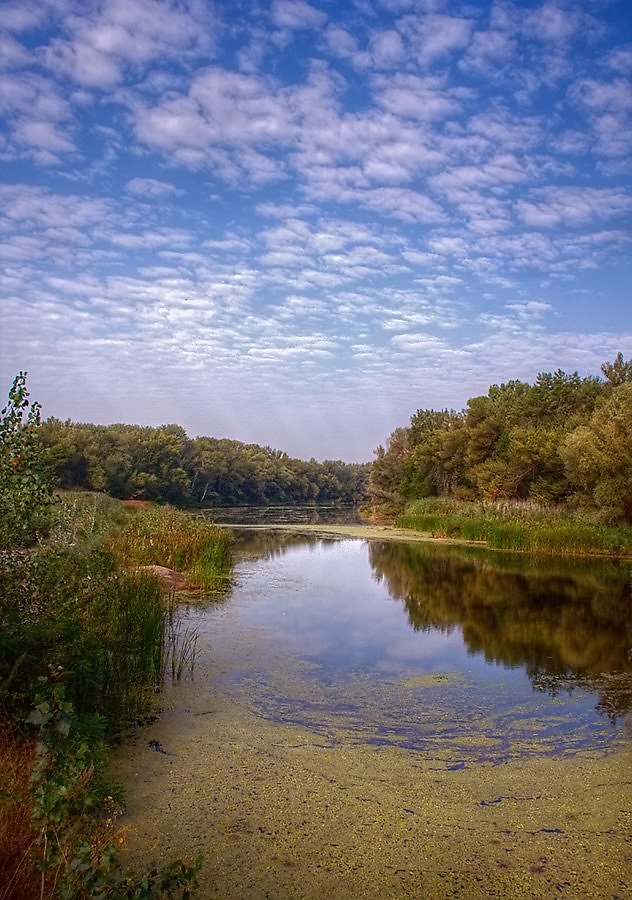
[{"x": 394, "y": 533}]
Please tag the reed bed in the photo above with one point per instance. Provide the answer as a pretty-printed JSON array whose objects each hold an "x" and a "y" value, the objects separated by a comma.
[
  {"x": 167, "y": 537},
  {"x": 519, "y": 527}
]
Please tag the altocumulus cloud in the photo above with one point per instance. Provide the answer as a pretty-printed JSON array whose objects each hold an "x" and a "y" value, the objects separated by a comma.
[{"x": 296, "y": 222}]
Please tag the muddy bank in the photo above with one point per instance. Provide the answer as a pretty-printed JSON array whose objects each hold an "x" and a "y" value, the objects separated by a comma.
[
  {"x": 361, "y": 532},
  {"x": 283, "y": 812}
]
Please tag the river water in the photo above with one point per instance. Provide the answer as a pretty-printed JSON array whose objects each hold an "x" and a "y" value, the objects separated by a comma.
[{"x": 337, "y": 676}]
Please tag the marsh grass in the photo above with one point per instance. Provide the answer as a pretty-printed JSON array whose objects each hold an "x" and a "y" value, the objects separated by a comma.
[
  {"x": 81, "y": 518},
  {"x": 180, "y": 644},
  {"x": 167, "y": 537},
  {"x": 519, "y": 527}
]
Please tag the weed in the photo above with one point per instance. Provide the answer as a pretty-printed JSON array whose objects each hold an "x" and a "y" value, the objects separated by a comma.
[{"x": 519, "y": 526}]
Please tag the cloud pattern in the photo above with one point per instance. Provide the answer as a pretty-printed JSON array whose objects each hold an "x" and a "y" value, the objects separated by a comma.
[{"x": 295, "y": 223}]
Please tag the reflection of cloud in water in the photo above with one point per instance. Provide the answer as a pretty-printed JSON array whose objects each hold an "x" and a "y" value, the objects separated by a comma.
[{"x": 317, "y": 639}]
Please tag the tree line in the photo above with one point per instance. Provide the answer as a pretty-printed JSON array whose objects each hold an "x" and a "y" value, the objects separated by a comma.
[
  {"x": 564, "y": 439},
  {"x": 163, "y": 464}
]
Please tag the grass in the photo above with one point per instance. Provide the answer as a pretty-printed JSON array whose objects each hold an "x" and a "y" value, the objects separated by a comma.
[
  {"x": 519, "y": 527},
  {"x": 77, "y": 619},
  {"x": 167, "y": 537}
]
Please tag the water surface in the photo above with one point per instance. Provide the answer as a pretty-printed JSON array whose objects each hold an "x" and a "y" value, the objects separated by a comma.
[
  {"x": 427, "y": 648},
  {"x": 380, "y": 719}
]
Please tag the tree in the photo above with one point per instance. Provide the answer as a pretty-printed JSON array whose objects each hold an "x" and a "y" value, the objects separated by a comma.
[
  {"x": 617, "y": 372},
  {"x": 25, "y": 487},
  {"x": 388, "y": 470},
  {"x": 598, "y": 456}
]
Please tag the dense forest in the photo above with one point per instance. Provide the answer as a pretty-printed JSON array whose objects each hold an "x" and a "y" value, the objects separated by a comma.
[
  {"x": 163, "y": 464},
  {"x": 564, "y": 439}
]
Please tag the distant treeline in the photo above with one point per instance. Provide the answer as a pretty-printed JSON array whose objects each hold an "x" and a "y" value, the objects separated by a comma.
[
  {"x": 164, "y": 464},
  {"x": 564, "y": 439}
]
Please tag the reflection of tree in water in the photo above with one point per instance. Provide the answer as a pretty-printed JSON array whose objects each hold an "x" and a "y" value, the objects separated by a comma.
[
  {"x": 568, "y": 625},
  {"x": 268, "y": 543}
]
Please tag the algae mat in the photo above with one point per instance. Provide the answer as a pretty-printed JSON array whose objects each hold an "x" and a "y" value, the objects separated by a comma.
[{"x": 280, "y": 811}]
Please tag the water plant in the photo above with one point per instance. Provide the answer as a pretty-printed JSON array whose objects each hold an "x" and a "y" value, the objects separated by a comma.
[
  {"x": 516, "y": 526},
  {"x": 180, "y": 644}
]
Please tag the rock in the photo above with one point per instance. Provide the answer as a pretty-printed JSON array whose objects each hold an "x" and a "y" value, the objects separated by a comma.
[{"x": 169, "y": 579}]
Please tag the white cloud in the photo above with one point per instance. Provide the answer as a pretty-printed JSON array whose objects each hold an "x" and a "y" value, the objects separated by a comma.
[
  {"x": 296, "y": 15},
  {"x": 151, "y": 187},
  {"x": 117, "y": 34},
  {"x": 434, "y": 37},
  {"x": 573, "y": 206},
  {"x": 272, "y": 203},
  {"x": 387, "y": 48}
]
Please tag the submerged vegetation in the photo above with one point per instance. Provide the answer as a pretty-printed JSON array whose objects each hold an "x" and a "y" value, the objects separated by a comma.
[{"x": 85, "y": 638}]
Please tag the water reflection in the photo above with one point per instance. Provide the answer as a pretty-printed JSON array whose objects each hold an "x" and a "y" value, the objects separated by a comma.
[
  {"x": 308, "y": 514},
  {"x": 447, "y": 650},
  {"x": 567, "y": 626}
]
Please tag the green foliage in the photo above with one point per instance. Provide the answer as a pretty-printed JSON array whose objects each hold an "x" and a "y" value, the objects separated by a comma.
[
  {"x": 598, "y": 455},
  {"x": 25, "y": 487},
  {"x": 563, "y": 440},
  {"x": 164, "y": 465},
  {"x": 66, "y": 789},
  {"x": 617, "y": 372}
]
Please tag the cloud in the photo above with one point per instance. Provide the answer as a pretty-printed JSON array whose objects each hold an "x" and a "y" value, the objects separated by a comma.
[
  {"x": 296, "y": 15},
  {"x": 110, "y": 38},
  {"x": 573, "y": 206},
  {"x": 151, "y": 187},
  {"x": 434, "y": 37}
]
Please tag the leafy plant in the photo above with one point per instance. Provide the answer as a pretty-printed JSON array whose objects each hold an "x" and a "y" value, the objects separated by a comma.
[
  {"x": 66, "y": 789},
  {"x": 26, "y": 491}
]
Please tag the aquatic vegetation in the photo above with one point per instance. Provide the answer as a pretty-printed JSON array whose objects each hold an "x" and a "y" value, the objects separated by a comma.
[{"x": 521, "y": 527}]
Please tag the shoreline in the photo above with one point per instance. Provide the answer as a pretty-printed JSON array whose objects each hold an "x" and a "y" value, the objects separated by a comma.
[{"x": 392, "y": 533}]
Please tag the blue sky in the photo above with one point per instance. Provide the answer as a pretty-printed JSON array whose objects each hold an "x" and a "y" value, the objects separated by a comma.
[{"x": 296, "y": 223}]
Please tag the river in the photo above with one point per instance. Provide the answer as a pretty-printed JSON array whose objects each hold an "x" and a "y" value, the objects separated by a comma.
[{"x": 379, "y": 718}]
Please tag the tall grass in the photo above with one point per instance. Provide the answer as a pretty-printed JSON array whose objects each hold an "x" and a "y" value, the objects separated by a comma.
[
  {"x": 165, "y": 536},
  {"x": 80, "y": 623},
  {"x": 81, "y": 518},
  {"x": 520, "y": 527}
]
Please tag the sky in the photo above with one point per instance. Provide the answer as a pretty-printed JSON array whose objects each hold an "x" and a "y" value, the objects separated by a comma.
[{"x": 295, "y": 223}]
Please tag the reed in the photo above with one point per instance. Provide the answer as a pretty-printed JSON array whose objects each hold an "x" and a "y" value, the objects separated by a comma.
[
  {"x": 118, "y": 655},
  {"x": 519, "y": 527},
  {"x": 180, "y": 644},
  {"x": 165, "y": 536}
]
